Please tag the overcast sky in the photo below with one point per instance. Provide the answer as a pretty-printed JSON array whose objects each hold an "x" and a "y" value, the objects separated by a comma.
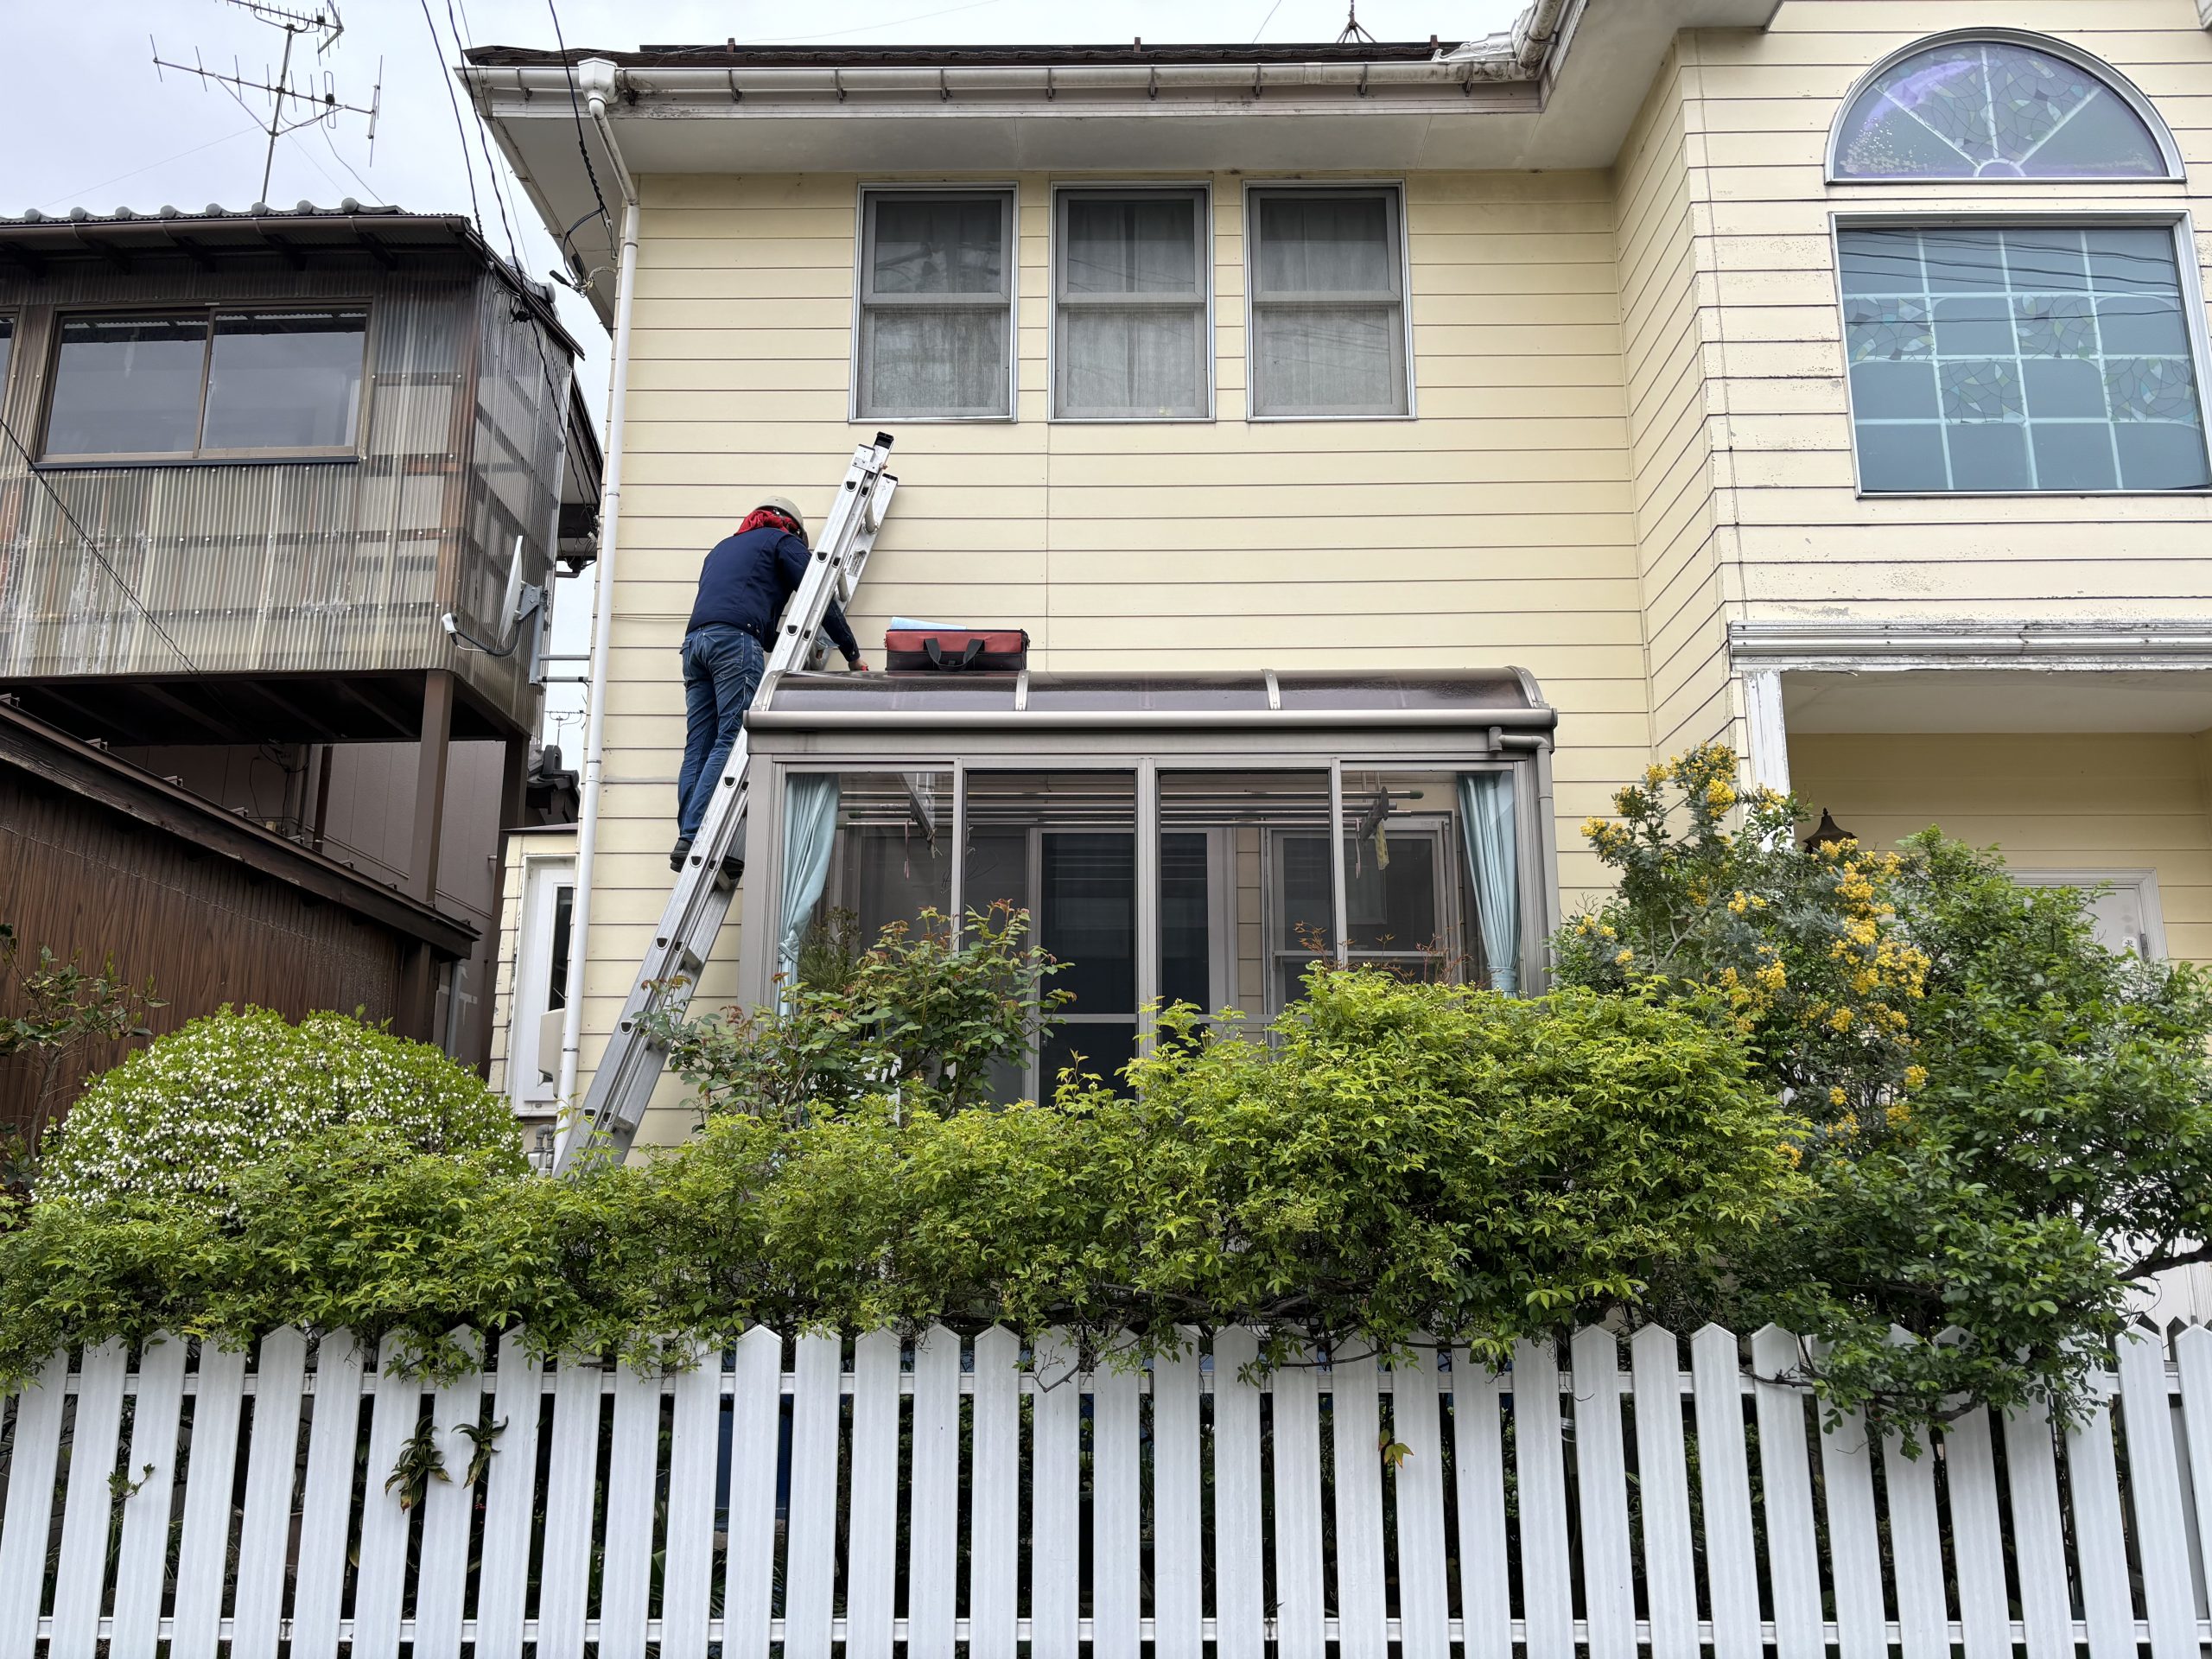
[{"x": 95, "y": 125}]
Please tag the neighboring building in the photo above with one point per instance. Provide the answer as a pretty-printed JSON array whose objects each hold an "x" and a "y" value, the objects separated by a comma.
[
  {"x": 251, "y": 460},
  {"x": 1821, "y": 377}
]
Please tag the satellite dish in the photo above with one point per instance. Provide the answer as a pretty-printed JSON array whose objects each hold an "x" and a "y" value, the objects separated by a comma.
[{"x": 509, "y": 615}]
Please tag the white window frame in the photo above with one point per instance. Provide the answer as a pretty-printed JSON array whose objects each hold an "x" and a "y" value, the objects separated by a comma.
[
  {"x": 2179, "y": 222},
  {"x": 2127, "y": 90},
  {"x": 1008, "y": 195},
  {"x": 531, "y": 996},
  {"x": 1203, "y": 230},
  {"x": 2143, "y": 883},
  {"x": 1395, "y": 189}
]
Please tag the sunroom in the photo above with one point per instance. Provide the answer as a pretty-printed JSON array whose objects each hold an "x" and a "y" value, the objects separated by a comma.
[{"x": 1169, "y": 838}]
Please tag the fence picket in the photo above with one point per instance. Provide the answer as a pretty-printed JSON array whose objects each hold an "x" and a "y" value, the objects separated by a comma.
[
  {"x": 1478, "y": 1460},
  {"x": 142, "y": 1558},
  {"x": 1970, "y": 1470},
  {"x": 1116, "y": 1526},
  {"x": 1855, "y": 1538},
  {"x": 1299, "y": 1609},
  {"x": 2100, "y": 1536},
  {"x": 448, "y": 1506},
  {"x": 203, "y": 1555},
  {"x": 572, "y": 1473},
  {"x": 1663, "y": 1482},
  {"x": 1725, "y": 1494},
  {"x": 2154, "y": 1485},
  {"x": 633, "y": 1485},
  {"x": 1240, "y": 1581},
  {"x": 2193, "y": 1354},
  {"x": 1355, "y": 1428},
  {"x": 694, "y": 1443},
  {"x": 23, "y": 1531},
  {"x": 80, "y": 1570},
  {"x": 2039, "y": 1532},
  {"x": 1177, "y": 1554},
  {"x": 326, "y": 1500},
  {"x": 933, "y": 1551},
  {"x": 1055, "y": 1522},
  {"x": 1417, "y": 1491},
  {"x": 756, "y": 1439},
  {"x": 510, "y": 1495},
  {"x": 995, "y": 1540},
  {"x": 810, "y": 1563},
  {"x": 871, "y": 1569},
  {"x": 1786, "y": 1486},
  {"x": 271, "y": 1461},
  {"x": 1540, "y": 1465},
  {"x": 1601, "y": 1486}
]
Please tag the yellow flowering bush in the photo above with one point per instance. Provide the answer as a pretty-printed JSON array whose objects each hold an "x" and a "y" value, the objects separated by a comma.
[{"x": 2004, "y": 1125}]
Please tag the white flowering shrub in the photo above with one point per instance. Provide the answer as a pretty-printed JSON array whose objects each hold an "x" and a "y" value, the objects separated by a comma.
[{"x": 184, "y": 1117}]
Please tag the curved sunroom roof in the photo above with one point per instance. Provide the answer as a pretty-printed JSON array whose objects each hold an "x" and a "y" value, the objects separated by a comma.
[{"x": 1481, "y": 697}]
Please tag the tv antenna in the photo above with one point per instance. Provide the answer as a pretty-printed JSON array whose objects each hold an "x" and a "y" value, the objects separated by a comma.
[
  {"x": 1353, "y": 30},
  {"x": 290, "y": 107}
]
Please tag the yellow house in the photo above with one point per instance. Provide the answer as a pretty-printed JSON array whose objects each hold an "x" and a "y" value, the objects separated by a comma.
[{"x": 1825, "y": 378}]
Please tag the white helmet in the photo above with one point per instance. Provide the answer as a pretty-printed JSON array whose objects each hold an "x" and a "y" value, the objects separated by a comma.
[{"x": 785, "y": 506}]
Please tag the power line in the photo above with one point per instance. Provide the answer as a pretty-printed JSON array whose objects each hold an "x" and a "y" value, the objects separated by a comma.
[
  {"x": 437, "y": 47},
  {"x": 575, "y": 110},
  {"x": 93, "y": 547}
]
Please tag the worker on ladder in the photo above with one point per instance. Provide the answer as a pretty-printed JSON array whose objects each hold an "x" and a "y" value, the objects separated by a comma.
[{"x": 746, "y": 582}]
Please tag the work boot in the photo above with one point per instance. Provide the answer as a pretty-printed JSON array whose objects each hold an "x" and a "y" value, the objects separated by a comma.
[{"x": 679, "y": 853}]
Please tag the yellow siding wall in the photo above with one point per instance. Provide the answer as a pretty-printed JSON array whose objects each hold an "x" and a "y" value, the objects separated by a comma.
[
  {"x": 1794, "y": 540},
  {"x": 2106, "y": 801},
  {"x": 1497, "y": 527}
]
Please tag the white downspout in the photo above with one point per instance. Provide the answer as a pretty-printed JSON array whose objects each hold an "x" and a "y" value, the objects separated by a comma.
[{"x": 596, "y": 78}]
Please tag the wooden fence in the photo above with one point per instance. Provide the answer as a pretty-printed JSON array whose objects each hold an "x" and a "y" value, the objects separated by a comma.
[{"x": 952, "y": 1497}]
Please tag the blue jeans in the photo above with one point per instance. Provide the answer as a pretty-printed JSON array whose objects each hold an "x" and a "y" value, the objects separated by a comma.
[{"x": 721, "y": 670}]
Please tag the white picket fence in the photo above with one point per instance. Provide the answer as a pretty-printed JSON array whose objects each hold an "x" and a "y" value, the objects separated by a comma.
[{"x": 950, "y": 1496}]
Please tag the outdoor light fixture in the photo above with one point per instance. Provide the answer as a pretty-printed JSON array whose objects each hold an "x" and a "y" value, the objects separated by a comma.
[{"x": 1828, "y": 833}]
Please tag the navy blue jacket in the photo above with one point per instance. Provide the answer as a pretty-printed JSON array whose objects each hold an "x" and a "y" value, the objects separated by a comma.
[{"x": 747, "y": 580}]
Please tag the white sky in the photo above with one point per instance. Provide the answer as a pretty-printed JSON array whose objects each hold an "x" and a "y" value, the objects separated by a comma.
[{"x": 94, "y": 126}]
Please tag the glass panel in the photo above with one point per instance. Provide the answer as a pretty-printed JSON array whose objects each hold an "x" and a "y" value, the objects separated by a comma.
[
  {"x": 127, "y": 386},
  {"x": 285, "y": 380},
  {"x": 1133, "y": 691},
  {"x": 1062, "y": 847},
  {"x": 1311, "y": 243},
  {"x": 890, "y": 859},
  {"x": 1140, "y": 245},
  {"x": 1986, "y": 358},
  {"x": 937, "y": 244},
  {"x": 1328, "y": 359},
  {"x": 1235, "y": 933},
  {"x": 1994, "y": 109},
  {"x": 1468, "y": 688},
  {"x": 7, "y": 345},
  {"x": 565, "y": 904},
  {"x": 934, "y": 362},
  {"x": 1131, "y": 363}
]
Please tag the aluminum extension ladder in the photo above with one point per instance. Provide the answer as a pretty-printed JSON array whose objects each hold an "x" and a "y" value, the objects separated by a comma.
[{"x": 700, "y": 899}]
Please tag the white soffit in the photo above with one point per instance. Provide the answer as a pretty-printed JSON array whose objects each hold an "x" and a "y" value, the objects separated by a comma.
[
  {"x": 1322, "y": 116},
  {"x": 1961, "y": 700}
]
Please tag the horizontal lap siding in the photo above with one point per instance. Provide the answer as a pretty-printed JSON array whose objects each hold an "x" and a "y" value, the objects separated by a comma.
[
  {"x": 1758, "y": 109},
  {"x": 2108, "y": 801},
  {"x": 1501, "y": 526}
]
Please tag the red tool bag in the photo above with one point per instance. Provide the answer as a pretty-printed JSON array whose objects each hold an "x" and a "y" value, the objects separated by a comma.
[{"x": 1001, "y": 651}]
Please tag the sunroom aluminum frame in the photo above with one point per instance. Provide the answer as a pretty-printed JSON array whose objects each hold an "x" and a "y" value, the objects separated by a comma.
[{"x": 1012, "y": 735}]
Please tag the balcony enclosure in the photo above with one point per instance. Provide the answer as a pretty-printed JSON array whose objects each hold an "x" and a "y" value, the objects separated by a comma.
[
  {"x": 1202, "y": 840},
  {"x": 261, "y": 456}
]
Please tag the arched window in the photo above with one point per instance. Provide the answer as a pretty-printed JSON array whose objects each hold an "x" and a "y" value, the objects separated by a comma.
[{"x": 1997, "y": 106}]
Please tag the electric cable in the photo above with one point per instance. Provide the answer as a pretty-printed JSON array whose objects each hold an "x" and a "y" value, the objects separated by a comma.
[
  {"x": 591, "y": 173},
  {"x": 460, "y": 131}
]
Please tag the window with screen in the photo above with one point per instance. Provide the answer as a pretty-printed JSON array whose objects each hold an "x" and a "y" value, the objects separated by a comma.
[
  {"x": 207, "y": 384},
  {"x": 7, "y": 351},
  {"x": 2039, "y": 357},
  {"x": 936, "y": 305},
  {"x": 1129, "y": 319},
  {"x": 1327, "y": 302}
]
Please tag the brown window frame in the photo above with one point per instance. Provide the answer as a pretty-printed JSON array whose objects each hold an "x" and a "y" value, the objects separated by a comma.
[{"x": 199, "y": 455}]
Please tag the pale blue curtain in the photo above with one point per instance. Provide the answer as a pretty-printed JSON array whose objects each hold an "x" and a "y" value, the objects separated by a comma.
[
  {"x": 809, "y": 829},
  {"x": 1486, "y": 827}
]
